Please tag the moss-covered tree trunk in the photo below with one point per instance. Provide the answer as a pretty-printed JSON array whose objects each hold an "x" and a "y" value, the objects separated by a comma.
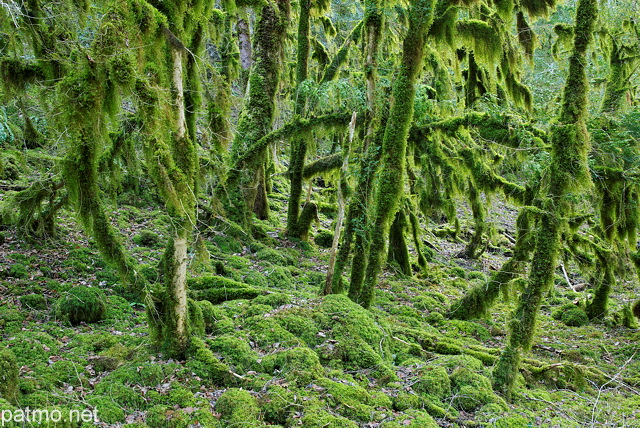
[
  {"x": 398, "y": 251},
  {"x": 569, "y": 173},
  {"x": 474, "y": 248},
  {"x": 355, "y": 218},
  {"x": 300, "y": 143},
  {"x": 389, "y": 184},
  {"x": 246, "y": 175}
]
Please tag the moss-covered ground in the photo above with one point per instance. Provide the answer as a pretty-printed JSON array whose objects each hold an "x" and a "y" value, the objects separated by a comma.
[{"x": 276, "y": 354}]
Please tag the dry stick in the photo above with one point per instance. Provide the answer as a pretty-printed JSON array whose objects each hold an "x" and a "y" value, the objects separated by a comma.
[
  {"x": 566, "y": 277},
  {"x": 340, "y": 217}
]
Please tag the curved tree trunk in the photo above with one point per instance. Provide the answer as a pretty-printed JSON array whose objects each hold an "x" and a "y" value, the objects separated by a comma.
[
  {"x": 390, "y": 181},
  {"x": 569, "y": 173}
]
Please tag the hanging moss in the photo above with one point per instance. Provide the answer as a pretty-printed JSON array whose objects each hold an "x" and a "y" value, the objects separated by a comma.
[
  {"x": 483, "y": 38},
  {"x": 538, "y": 8},
  {"x": 477, "y": 302},
  {"x": 17, "y": 73},
  {"x": 257, "y": 115}
]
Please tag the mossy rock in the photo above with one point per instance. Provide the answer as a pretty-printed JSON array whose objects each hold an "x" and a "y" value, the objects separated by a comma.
[
  {"x": 274, "y": 300},
  {"x": 301, "y": 364},
  {"x": 435, "y": 382},
  {"x": 466, "y": 361},
  {"x": 323, "y": 238},
  {"x": 33, "y": 347},
  {"x": 321, "y": 418},
  {"x": 472, "y": 390},
  {"x": 557, "y": 313},
  {"x": 8, "y": 376},
  {"x": 278, "y": 402},
  {"x": 108, "y": 410},
  {"x": 412, "y": 419},
  {"x": 82, "y": 304},
  {"x": 279, "y": 277},
  {"x": 267, "y": 332},
  {"x": 303, "y": 327},
  {"x": 238, "y": 407},
  {"x": 207, "y": 366},
  {"x": 278, "y": 258},
  {"x": 161, "y": 416},
  {"x": 575, "y": 317},
  {"x": 353, "y": 401},
  {"x": 235, "y": 351}
]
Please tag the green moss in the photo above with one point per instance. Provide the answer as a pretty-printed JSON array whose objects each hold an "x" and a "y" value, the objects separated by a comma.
[
  {"x": 279, "y": 277},
  {"x": 323, "y": 238},
  {"x": 217, "y": 289},
  {"x": 123, "y": 395},
  {"x": 279, "y": 402},
  {"x": 301, "y": 326},
  {"x": 575, "y": 317},
  {"x": 300, "y": 364},
  {"x": 82, "y": 304},
  {"x": 108, "y": 411},
  {"x": 434, "y": 382},
  {"x": 147, "y": 238},
  {"x": 207, "y": 366},
  {"x": 267, "y": 332},
  {"x": 166, "y": 417},
  {"x": 235, "y": 351},
  {"x": 8, "y": 376},
  {"x": 35, "y": 302},
  {"x": 353, "y": 401},
  {"x": 273, "y": 299},
  {"x": 238, "y": 407},
  {"x": 472, "y": 390},
  {"x": 279, "y": 258}
]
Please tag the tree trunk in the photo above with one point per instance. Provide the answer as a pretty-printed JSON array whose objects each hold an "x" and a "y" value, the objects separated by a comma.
[
  {"x": 256, "y": 118},
  {"x": 569, "y": 173},
  {"x": 356, "y": 220},
  {"x": 299, "y": 143},
  {"x": 398, "y": 251},
  {"x": 390, "y": 181}
]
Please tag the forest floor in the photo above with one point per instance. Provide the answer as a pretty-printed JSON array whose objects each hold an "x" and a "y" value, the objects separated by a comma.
[{"x": 291, "y": 358}]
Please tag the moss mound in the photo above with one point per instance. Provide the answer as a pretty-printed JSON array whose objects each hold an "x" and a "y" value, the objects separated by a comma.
[
  {"x": 82, "y": 304},
  {"x": 8, "y": 376},
  {"x": 217, "y": 289},
  {"x": 575, "y": 317},
  {"x": 238, "y": 407}
]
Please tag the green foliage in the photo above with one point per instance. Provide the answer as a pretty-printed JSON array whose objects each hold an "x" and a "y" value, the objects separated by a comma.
[
  {"x": 34, "y": 301},
  {"x": 82, "y": 304}
]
